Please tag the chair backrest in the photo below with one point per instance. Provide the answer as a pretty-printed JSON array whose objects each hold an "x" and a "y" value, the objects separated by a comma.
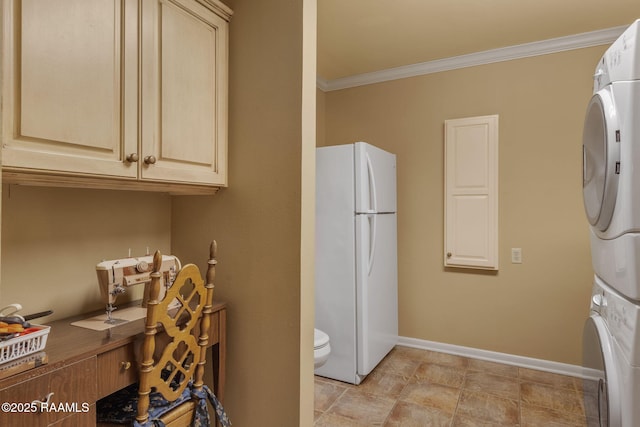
[{"x": 184, "y": 314}]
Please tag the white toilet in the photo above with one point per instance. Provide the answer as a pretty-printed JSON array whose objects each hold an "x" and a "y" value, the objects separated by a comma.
[{"x": 321, "y": 348}]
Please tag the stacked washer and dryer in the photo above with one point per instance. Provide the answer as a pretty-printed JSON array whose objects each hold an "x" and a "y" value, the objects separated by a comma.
[{"x": 611, "y": 187}]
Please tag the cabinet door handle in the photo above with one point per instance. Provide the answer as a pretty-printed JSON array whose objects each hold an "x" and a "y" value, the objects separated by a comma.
[
  {"x": 40, "y": 403},
  {"x": 132, "y": 158},
  {"x": 125, "y": 365},
  {"x": 150, "y": 160}
]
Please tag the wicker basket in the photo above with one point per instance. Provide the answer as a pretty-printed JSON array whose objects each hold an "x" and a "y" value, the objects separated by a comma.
[{"x": 15, "y": 348}]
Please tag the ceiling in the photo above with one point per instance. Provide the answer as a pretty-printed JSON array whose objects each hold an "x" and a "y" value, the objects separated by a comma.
[{"x": 361, "y": 36}]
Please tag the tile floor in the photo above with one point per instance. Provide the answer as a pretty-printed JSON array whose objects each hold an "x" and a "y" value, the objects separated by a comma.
[{"x": 413, "y": 387}]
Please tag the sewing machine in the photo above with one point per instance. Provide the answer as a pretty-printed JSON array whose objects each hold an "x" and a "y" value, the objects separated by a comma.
[{"x": 115, "y": 276}]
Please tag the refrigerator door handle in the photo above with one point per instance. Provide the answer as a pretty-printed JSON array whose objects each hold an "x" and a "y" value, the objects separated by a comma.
[
  {"x": 372, "y": 185},
  {"x": 372, "y": 241}
]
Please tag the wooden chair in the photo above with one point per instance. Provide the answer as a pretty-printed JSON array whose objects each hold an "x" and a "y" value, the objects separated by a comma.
[{"x": 170, "y": 387}]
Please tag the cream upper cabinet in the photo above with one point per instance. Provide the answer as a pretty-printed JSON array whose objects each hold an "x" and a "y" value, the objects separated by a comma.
[
  {"x": 66, "y": 104},
  {"x": 101, "y": 91},
  {"x": 184, "y": 92}
]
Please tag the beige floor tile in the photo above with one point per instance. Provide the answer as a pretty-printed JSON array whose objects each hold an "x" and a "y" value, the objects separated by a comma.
[
  {"x": 488, "y": 408},
  {"x": 413, "y": 387},
  {"x": 445, "y": 359},
  {"x": 590, "y": 405},
  {"x": 445, "y": 375},
  {"x": 384, "y": 384},
  {"x": 326, "y": 393},
  {"x": 587, "y": 385},
  {"x": 334, "y": 382},
  {"x": 362, "y": 407},
  {"x": 548, "y": 378},
  {"x": 406, "y": 414},
  {"x": 470, "y": 421},
  {"x": 535, "y": 416},
  {"x": 432, "y": 395},
  {"x": 396, "y": 363},
  {"x": 408, "y": 352},
  {"x": 333, "y": 420},
  {"x": 492, "y": 368},
  {"x": 508, "y": 387},
  {"x": 541, "y": 395}
]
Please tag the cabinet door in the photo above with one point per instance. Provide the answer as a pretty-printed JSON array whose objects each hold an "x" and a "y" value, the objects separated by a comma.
[
  {"x": 184, "y": 95},
  {"x": 70, "y": 392},
  {"x": 117, "y": 369},
  {"x": 74, "y": 388},
  {"x": 471, "y": 192},
  {"x": 23, "y": 393},
  {"x": 67, "y": 107}
]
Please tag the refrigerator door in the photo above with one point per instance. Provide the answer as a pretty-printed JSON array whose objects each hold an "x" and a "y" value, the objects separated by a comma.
[
  {"x": 375, "y": 179},
  {"x": 335, "y": 291},
  {"x": 376, "y": 288}
]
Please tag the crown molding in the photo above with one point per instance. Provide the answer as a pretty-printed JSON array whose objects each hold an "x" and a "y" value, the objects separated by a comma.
[
  {"x": 322, "y": 84},
  {"x": 544, "y": 47}
]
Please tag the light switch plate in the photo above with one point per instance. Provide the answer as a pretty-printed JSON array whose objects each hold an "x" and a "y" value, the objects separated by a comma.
[{"x": 516, "y": 255}]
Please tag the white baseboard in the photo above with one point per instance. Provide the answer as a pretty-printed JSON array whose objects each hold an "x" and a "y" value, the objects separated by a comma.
[{"x": 492, "y": 356}]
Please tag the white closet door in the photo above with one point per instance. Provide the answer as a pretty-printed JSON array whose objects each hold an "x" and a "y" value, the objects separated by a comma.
[{"x": 471, "y": 192}]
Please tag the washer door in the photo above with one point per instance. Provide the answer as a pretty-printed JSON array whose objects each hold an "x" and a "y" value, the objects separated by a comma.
[
  {"x": 600, "y": 159},
  {"x": 601, "y": 384}
]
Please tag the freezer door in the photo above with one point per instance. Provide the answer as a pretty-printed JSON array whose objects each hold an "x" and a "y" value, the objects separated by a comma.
[
  {"x": 375, "y": 171},
  {"x": 376, "y": 288}
]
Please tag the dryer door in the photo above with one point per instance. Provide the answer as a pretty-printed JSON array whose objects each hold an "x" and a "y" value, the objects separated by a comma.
[
  {"x": 600, "y": 158},
  {"x": 601, "y": 384}
]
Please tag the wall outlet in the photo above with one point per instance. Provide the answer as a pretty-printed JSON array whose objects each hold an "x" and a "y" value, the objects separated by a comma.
[{"x": 516, "y": 255}]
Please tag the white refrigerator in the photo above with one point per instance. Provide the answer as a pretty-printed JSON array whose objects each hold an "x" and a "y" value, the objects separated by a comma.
[{"x": 356, "y": 288}]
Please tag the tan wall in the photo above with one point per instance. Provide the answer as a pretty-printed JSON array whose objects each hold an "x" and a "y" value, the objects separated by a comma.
[
  {"x": 535, "y": 309},
  {"x": 52, "y": 239},
  {"x": 320, "y": 117},
  {"x": 257, "y": 220}
]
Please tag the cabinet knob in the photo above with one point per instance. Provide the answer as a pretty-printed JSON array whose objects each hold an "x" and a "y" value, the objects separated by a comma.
[
  {"x": 132, "y": 158},
  {"x": 449, "y": 254},
  {"x": 150, "y": 160},
  {"x": 125, "y": 365}
]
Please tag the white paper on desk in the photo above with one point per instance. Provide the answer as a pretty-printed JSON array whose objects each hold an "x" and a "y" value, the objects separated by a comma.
[{"x": 121, "y": 316}]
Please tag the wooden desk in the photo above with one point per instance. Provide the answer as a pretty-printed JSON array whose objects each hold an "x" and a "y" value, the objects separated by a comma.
[{"x": 86, "y": 365}]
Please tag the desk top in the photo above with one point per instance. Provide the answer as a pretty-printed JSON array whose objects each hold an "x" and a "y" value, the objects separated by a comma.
[{"x": 67, "y": 344}]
